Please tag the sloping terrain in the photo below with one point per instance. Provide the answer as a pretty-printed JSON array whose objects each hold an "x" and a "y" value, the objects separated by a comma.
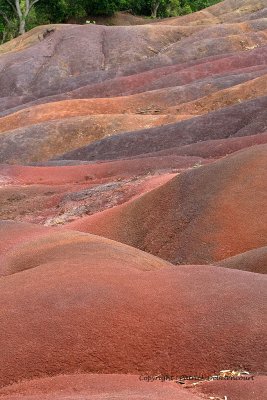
[
  {"x": 88, "y": 304},
  {"x": 206, "y": 214},
  {"x": 248, "y": 118},
  {"x": 253, "y": 261},
  {"x": 188, "y": 68},
  {"x": 97, "y": 387},
  {"x": 44, "y": 140},
  {"x": 101, "y": 387},
  {"x": 153, "y": 136}
]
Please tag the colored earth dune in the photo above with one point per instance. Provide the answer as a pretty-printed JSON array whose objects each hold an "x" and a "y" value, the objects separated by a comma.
[{"x": 133, "y": 193}]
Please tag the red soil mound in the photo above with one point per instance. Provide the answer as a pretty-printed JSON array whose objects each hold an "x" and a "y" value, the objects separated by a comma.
[
  {"x": 97, "y": 387},
  {"x": 56, "y": 204},
  {"x": 95, "y": 173},
  {"x": 74, "y": 108},
  {"x": 81, "y": 313},
  {"x": 87, "y": 304},
  {"x": 253, "y": 261},
  {"x": 33, "y": 203},
  {"x": 53, "y": 245},
  {"x": 207, "y": 214},
  {"x": 235, "y": 390},
  {"x": 11, "y": 236},
  {"x": 174, "y": 75},
  {"x": 146, "y": 103},
  {"x": 60, "y": 194},
  {"x": 183, "y": 74},
  {"x": 47, "y": 187},
  {"x": 172, "y": 87}
]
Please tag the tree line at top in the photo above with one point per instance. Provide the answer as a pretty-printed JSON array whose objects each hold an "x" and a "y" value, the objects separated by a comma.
[{"x": 18, "y": 16}]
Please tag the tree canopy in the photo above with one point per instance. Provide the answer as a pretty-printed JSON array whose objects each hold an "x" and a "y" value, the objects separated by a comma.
[{"x": 17, "y": 16}]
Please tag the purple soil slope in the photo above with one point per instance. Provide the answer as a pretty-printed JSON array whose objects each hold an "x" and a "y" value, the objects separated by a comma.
[
  {"x": 245, "y": 119},
  {"x": 157, "y": 78}
]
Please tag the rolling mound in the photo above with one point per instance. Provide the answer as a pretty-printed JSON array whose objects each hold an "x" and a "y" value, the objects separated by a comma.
[
  {"x": 235, "y": 390},
  {"x": 44, "y": 140},
  {"x": 159, "y": 97},
  {"x": 248, "y": 118},
  {"x": 206, "y": 214},
  {"x": 45, "y": 131},
  {"x": 157, "y": 78},
  {"x": 97, "y": 387},
  {"x": 211, "y": 149},
  {"x": 74, "y": 108},
  {"x": 57, "y": 57},
  {"x": 57, "y": 195},
  {"x": 100, "y": 386},
  {"x": 79, "y": 297},
  {"x": 55, "y": 245},
  {"x": 244, "y": 91},
  {"x": 93, "y": 173},
  {"x": 153, "y": 136},
  {"x": 140, "y": 76},
  {"x": 62, "y": 66},
  {"x": 253, "y": 261}
]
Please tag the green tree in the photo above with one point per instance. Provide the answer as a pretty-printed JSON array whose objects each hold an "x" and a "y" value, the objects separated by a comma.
[
  {"x": 186, "y": 9},
  {"x": 173, "y": 8},
  {"x": 8, "y": 22},
  {"x": 21, "y": 10},
  {"x": 102, "y": 7},
  {"x": 200, "y": 4},
  {"x": 147, "y": 7}
]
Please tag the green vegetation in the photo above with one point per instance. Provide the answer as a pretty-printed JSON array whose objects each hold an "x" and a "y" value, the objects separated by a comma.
[
  {"x": 17, "y": 16},
  {"x": 167, "y": 8}
]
